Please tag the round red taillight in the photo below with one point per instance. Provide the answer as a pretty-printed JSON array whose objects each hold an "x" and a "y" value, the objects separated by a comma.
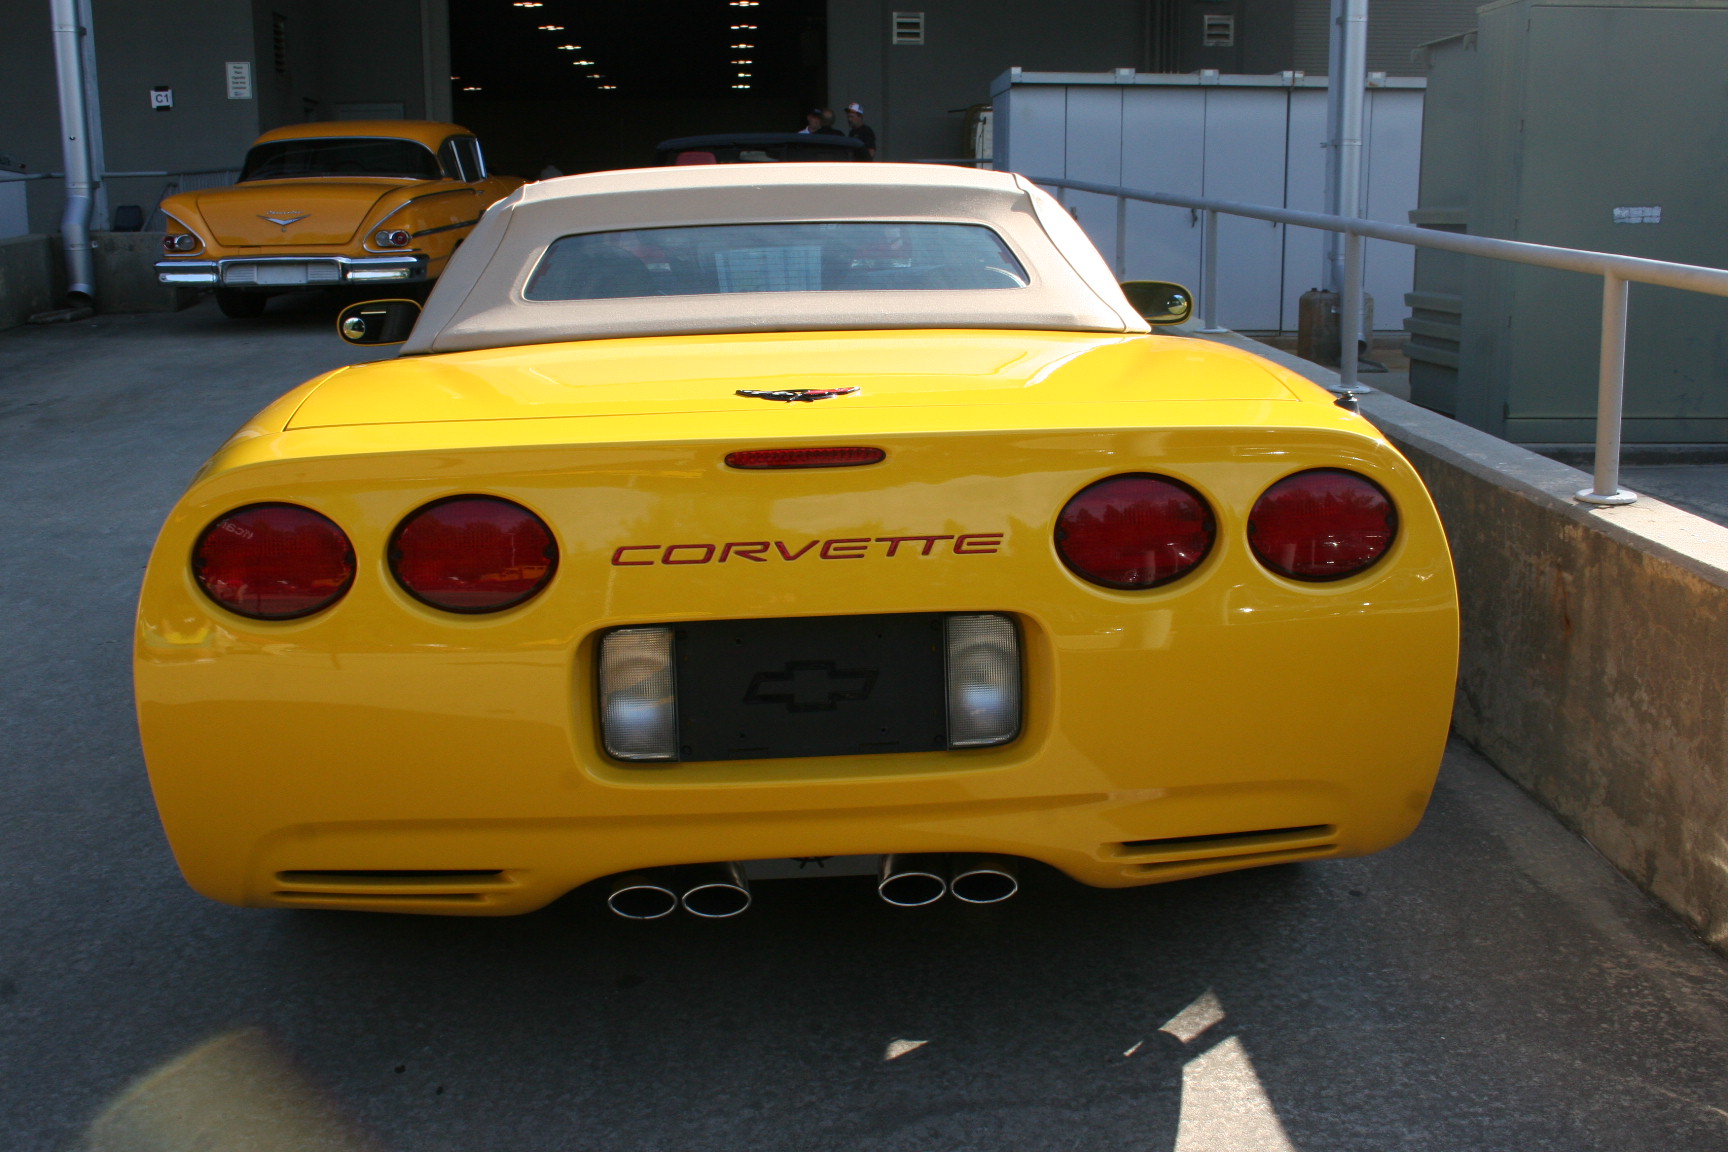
[
  {"x": 179, "y": 242},
  {"x": 273, "y": 561},
  {"x": 392, "y": 238},
  {"x": 1135, "y": 531},
  {"x": 1322, "y": 525},
  {"x": 473, "y": 554}
]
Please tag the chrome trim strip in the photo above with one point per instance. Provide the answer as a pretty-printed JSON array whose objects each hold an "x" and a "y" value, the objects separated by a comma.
[
  {"x": 215, "y": 271},
  {"x": 446, "y": 228}
]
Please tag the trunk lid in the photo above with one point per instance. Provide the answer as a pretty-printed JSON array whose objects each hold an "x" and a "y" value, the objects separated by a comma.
[
  {"x": 695, "y": 375},
  {"x": 277, "y": 213}
]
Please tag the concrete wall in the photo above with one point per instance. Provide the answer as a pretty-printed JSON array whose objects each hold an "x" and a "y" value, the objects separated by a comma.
[
  {"x": 1595, "y": 651},
  {"x": 29, "y": 278},
  {"x": 330, "y": 55},
  {"x": 909, "y": 90},
  {"x": 32, "y": 278}
]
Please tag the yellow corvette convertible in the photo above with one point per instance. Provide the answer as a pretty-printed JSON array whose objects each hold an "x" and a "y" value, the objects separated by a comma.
[
  {"x": 719, "y": 524},
  {"x": 361, "y": 202}
]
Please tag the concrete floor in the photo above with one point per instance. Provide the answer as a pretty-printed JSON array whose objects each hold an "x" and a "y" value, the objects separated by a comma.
[
  {"x": 1488, "y": 985},
  {"x": 1699, "y": 488}
]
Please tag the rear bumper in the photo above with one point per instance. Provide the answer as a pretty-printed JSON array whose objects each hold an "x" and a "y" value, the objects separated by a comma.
[
  {"x": 504, "y": 868},
  {"x": 1228, "y": 711},
  {"x": 293, "y": 271}
]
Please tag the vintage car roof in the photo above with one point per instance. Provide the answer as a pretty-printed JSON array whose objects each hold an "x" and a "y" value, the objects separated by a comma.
[
  {"x": 431, "y": 133},
  {"x": 479, "y": 301}
]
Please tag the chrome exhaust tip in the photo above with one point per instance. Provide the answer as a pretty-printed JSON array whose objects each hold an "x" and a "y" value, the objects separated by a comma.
[
  {"x": 912, "y": 881},
  {"x": 642, "y": 895},
  {"x": 715, "y": 891},
  {"x": 984, "y": 879}
]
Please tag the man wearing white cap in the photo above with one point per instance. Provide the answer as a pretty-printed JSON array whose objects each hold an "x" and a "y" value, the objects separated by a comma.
[{"x": 860, "y": 130}]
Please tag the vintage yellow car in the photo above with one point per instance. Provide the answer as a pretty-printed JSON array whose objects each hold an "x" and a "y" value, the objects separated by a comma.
[
  {"x": 724, "y": 523},
  {"x": 363, "y": 202}
]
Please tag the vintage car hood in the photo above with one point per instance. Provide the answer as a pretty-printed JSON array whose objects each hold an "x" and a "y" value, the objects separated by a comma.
[
  {"x": 318, "y": 211},
  {"x": 702, "y": 374}
]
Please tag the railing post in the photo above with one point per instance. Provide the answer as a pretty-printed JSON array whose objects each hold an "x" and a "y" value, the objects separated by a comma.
[
  {"x": 1121, "y": 237},
  {"x": 1209, "y": 274},
  {"x": 1610, "y": 397},
  {"x": 1350, "y": 315}
]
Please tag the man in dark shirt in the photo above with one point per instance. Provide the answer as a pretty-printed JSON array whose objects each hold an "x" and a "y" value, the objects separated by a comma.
[
  {"x": 817, "y": 123},
  {"x": 860, "y": 130}
]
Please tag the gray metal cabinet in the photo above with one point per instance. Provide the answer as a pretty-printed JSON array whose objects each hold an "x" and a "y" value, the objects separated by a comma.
[{"x": 1585, "y": 124}]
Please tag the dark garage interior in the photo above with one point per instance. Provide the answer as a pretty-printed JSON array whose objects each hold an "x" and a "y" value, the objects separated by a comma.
[{"x": 582, "y": 87}]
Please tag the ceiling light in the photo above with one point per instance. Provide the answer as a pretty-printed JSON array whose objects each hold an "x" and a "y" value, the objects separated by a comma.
[
  {"x": 735, "y": 62},
  {"x": 583, "y": 63},
  {"x": 596, "y": 76},
  {"x": 527, "y": 4},
  {"x": 569, "y": 47},
  {"x": 607, "y": 87},
  {"x": 743, "y": 45},
  {"x": 551, "y": 27},
  {"x": 740, "y": 85},
  {"x": 475, "y": 88},
  {"x": 743, "y": 27},
  {"x": 743, "y": 75}
]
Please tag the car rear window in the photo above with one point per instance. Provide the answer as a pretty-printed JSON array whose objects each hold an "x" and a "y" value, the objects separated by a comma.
[
  {"x": 725, "y": 258},
  {"x": 340, "y": 156}
]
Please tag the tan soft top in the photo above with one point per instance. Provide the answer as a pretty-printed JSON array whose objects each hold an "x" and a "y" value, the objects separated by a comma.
[{"x": 479, "y": 303}]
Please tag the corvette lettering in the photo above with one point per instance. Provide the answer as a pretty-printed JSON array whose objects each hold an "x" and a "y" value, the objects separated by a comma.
[{"x": 839, "y": 548}]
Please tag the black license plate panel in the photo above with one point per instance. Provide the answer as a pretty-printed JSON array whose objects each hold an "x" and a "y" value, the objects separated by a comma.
[{"x": 811, "y": 686}]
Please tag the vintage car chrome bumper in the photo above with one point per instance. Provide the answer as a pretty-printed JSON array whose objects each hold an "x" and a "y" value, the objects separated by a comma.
[{"x": 292, "y": 271}]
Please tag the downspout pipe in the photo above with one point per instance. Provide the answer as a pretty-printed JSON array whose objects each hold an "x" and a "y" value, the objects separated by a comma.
[{"x": 75, "y": 148}]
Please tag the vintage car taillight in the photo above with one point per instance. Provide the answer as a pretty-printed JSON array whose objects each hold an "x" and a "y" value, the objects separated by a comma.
[
  {"x": 1324, "y": 524},
  {"x": 273, "y": 561},
  {"x": 1135, "y": 531},
  {"x": 179, "y": 242},
  {"x": 473, "y": 554},
  {"x": 391, "y": 238}
]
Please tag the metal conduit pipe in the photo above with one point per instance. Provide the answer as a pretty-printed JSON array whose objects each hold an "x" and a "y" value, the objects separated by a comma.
[
  {"x": 1352, "y": 66},
  {"x": 75, "y": 147}
]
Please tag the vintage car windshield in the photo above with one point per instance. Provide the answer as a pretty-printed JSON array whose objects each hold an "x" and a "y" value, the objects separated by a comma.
[
  {"x": 340, "y": 156},
  {"x": 727, "y": 258}
]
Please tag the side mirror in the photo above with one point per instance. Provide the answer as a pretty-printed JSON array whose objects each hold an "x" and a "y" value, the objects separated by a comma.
[
  {"x": 1158, "y": 301},
  {"x": 377, "y": 321}
]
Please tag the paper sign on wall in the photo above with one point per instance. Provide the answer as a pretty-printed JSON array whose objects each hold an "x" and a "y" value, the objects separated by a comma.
[
  {"x": 1651, "y": 214},
  {"x": 239, "y": 79}
]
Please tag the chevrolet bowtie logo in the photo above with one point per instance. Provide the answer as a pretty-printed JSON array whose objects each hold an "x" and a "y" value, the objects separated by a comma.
[
  {"x": 796, "y": 395},
  {"x": 810, "y": 686},
  {"x": 283, "y": 219}
]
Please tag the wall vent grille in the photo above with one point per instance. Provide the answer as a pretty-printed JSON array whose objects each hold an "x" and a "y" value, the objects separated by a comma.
[{"x": 908, "y": 27}]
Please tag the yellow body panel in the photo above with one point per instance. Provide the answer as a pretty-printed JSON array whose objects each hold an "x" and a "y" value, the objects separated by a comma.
[
  {"x": 338, "y": 216},
  {"x": 1275, "y": 719}
]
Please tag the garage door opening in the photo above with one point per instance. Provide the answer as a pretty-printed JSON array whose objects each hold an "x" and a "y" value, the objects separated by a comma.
[{"x": 579, "y": 87}]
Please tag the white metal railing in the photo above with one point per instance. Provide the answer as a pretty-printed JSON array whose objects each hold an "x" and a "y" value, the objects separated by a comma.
[{"x": 1616, "y": 272}]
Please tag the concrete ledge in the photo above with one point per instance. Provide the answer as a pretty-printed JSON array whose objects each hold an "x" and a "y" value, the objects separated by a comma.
[
  {"x": 29, "y": 272},
  {"x": 126, "y": 274},
  {"x": 1594, "y": 669},
  {"x": 32, "y": 279}
]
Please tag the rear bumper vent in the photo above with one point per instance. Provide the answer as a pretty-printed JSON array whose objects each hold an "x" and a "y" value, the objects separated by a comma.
[
  {"x": 1178, "y": 856},
  {"x": 382, "y": 887}
]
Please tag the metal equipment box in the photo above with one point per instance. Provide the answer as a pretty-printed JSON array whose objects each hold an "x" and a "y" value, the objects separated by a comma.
[{"x": 1595, "y": 124}]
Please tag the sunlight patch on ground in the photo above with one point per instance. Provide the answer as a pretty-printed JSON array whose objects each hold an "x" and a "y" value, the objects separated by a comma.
[{"x": 237, "y": 1091}]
